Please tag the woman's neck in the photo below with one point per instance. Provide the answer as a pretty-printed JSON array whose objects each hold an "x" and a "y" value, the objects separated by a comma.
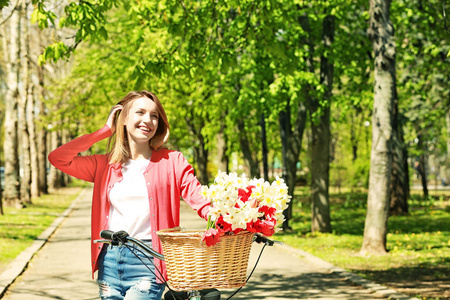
[{"x": 140, "y": 151}]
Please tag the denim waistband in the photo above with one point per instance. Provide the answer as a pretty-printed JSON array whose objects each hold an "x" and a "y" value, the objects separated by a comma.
[{"x": 130, "y": 245}]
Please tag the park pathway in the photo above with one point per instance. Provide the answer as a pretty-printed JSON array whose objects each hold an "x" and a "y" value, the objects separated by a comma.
[{"x": 61, "y": 269}]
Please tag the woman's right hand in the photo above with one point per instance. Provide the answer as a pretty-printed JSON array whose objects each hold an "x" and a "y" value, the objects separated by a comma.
[{"x": 112, "y": 117}]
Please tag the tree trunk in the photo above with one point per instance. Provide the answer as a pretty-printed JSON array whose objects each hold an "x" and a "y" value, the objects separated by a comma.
[
  {"x": 262, "y": 124},
  {"x": 447, "y": 162},
  {"x": 200, "y": 151},
  {"x": 320, "y": 147},
  {"x": 31, "y": 109},
  {"x": 320, "y": 162},
  {"x": 54, "y": 176},
  {"x": 201, "y": 158},
  {"x": 292, "y": 134},
  {"x": 25, "y": 162},
  {"x": 400, "y": 173},
  {"x": 249, "y": 157},
  {"x": 222, "y": 149},
  {"x": 33, "y": 145},
  {"x": 287, "y": 172},
  {"x": 423, "y": 174},
  {"x": 354, "y": 135},
  {"x": 10, "y": 146},
  {"x": 41, "y": 135},
  {"x": 381, "y": 32},
  {"x": 291, "y": 141}
]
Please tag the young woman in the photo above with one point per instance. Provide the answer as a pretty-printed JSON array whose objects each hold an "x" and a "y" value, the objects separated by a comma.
[{"x": 137, "y": 188}]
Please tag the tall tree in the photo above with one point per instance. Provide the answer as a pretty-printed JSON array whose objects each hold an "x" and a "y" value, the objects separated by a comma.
[
  {"x": 10, "y": 146},
  {"x": 31, "y": 119},
  {"x": 320, "y": 129},
  {"x": 41, "y": 133},
  {"x": 381, "y": 32},
  {"x": 423, "y": 82},
  {"x": 291, "y": 140},
  {"x": 265, "y": 159},
  {"x": 222, "y": 147},
  {"x": 195, "y": 124},
  {"x": 25, "y": 161}
]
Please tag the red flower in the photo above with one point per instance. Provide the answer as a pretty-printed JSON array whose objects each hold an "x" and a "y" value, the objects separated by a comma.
[
  {"x": 268, "y": 211},
  {"x": 211, "y": 237},
  {"x": 262, "y": 226},
  {"x": 266, "y": 224},
  {"x": 224, "y": 227},
  {"x": 245, "y": 194}
]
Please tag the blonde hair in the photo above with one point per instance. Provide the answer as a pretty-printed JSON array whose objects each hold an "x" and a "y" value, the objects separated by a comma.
[{"x": 118, "y": 145}]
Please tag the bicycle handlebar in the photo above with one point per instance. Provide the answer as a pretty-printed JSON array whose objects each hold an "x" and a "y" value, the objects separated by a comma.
[
  {"x": 123, "y": 237},
  {"x": 260, "y": 238},
  {"x": 118, "y": 237}
]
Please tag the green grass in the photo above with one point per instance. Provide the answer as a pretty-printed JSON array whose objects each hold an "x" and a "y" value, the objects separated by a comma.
[
  {"x": 20, "y": 227},
  {"x": 418, "y": 243}
]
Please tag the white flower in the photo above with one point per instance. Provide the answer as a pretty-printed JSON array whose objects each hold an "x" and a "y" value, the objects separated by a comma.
[{"x": 225, "y": 200}]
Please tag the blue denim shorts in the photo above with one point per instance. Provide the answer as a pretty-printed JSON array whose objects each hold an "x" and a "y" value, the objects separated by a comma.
[{"x": 122, "y": 275}]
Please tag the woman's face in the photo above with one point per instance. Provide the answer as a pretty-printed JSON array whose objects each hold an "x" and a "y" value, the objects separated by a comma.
[{"x": 142, "y": 120}]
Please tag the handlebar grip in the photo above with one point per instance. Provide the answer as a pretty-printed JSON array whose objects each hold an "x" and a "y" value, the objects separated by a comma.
[
  {"x": 107, "y": 234},
  {"x": 121, "y": 236},
  {"x": 118, "y": 236},
  {"x": 260, "y": 238}
]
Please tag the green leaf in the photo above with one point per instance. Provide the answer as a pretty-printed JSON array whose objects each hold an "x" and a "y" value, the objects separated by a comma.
[
  {"x": 34, "y": 16},
  {"x": 103, "y": 33}
]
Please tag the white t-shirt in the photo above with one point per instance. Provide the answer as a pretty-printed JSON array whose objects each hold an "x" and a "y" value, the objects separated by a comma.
[{"x": 130, "y": 209}]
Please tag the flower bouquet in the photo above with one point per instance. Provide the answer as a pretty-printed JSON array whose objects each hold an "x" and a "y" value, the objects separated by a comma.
[{"x": 242, "y": 204}]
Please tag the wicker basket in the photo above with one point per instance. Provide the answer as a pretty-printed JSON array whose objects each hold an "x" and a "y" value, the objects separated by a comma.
[{"x": 191, "y": 265}]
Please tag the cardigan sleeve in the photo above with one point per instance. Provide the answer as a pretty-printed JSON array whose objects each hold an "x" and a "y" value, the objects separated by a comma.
[
  {"x": 191, "y": 187},
  {"x": 66, "y": 159}
]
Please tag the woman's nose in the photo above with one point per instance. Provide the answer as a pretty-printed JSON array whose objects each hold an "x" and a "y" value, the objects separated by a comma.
[{"x": 147, "y": 118}]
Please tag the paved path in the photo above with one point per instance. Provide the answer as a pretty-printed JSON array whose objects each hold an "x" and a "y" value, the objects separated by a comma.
[{"x": 61, "y": 269}]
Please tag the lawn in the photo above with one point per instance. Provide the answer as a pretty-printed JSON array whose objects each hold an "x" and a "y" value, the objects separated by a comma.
[
  {"x": 418, "y": 262},
  {"x": 20, "y": 227}
]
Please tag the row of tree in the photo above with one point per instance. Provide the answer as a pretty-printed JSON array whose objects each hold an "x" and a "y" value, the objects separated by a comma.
[
  {"x": 245, "y": 77},
  {"x": 26, "y": 134}
]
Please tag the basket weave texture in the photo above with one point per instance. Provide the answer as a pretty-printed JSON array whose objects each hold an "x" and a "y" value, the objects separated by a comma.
[{"x": 192, "y": 265}]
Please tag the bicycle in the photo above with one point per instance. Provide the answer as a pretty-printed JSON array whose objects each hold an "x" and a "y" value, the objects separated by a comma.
[{"x": 122, "y": 238}]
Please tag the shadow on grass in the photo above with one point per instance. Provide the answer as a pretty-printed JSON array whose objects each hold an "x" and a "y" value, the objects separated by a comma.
[
  {"x": 429, "y": 281},
  {"x": 419, "y": 223}
]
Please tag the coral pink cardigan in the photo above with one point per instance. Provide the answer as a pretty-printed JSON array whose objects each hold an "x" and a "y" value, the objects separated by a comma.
[{"x": 168, "y": 176}]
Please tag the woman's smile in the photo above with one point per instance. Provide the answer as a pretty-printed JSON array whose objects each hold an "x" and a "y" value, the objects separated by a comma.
[{"x": 145, "y": 129}]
